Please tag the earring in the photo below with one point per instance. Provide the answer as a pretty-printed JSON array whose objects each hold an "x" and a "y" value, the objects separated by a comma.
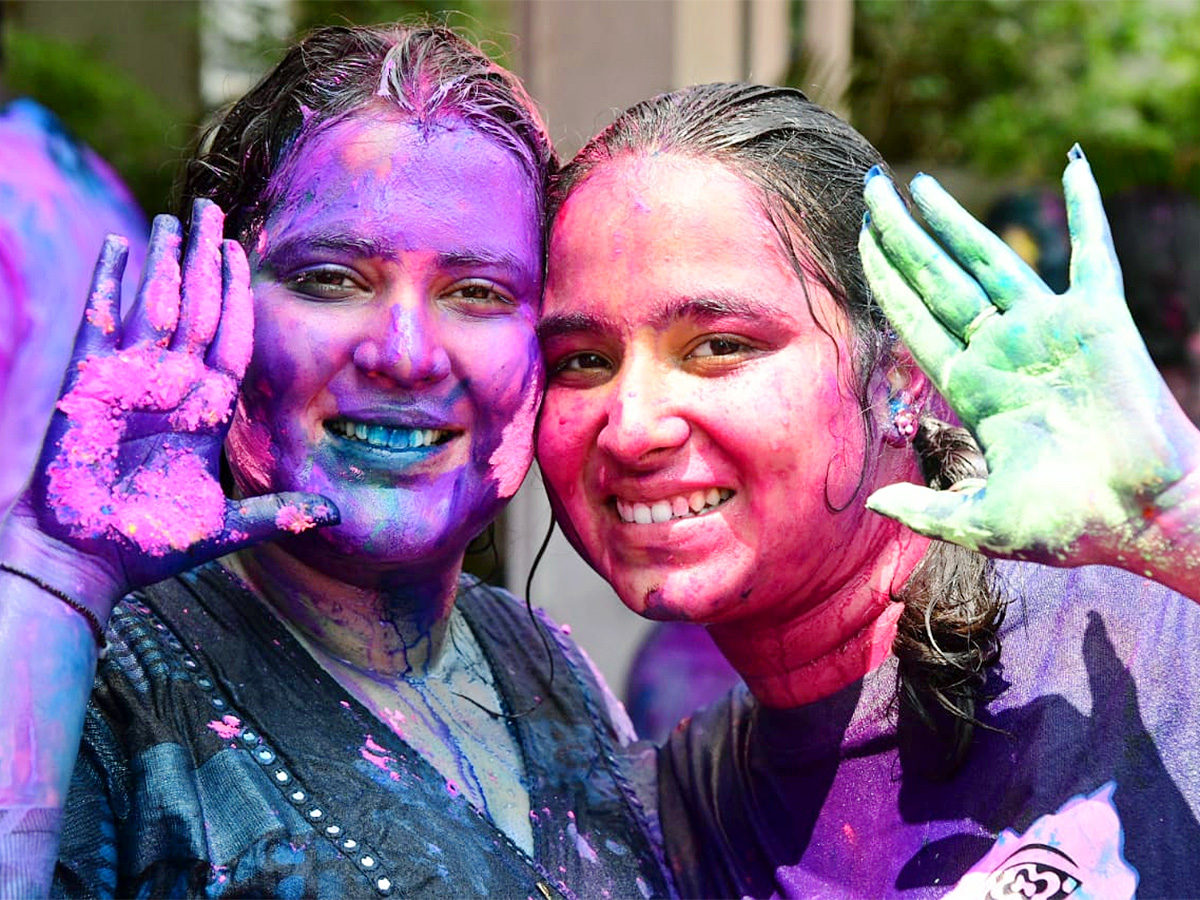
[{"x": 905, "y": 420}]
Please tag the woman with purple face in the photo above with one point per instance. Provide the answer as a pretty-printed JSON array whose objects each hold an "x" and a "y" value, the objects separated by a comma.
[
  {"x": 727, "y": 412},
  {"x": 299, "y": 692}
]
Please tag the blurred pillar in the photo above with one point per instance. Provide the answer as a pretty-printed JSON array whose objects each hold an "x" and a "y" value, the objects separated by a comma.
[{"x": 828, "y": 52}]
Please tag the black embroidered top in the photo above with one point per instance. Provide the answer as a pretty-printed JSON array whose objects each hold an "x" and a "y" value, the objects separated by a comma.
[{"x": 219, "y": 759}]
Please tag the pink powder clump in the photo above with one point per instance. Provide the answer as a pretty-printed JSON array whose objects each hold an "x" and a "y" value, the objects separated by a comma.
[
  {"x": 100, "y": 308},
  {"x": 227, "y": 728},
  {"x": 162, "y": 288},
  {"x": 170, "y": 501},
  {"x": 293, "y": 519},
  {"x": 452, "y": 788}
]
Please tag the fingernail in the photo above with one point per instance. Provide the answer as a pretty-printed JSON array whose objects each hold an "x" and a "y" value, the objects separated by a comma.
[
  {"x": 867, "y": 219},
  {"x": 1076, "y": 152},
  {"x": 872, "y": 172}
]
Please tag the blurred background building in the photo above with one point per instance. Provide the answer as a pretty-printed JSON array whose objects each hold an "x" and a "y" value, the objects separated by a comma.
[{"x": 988, "y": 94}]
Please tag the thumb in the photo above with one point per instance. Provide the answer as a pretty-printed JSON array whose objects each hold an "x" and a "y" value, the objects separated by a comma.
[
  {"x": 945, "y": 515},
  {"x": 255, "y": 519}
]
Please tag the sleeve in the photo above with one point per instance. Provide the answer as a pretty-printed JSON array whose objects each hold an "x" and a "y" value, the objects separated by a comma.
[{"x": 89, "y": 851}]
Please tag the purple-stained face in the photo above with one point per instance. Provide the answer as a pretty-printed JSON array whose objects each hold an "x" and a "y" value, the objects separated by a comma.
[{"x": 395, "y": 369}]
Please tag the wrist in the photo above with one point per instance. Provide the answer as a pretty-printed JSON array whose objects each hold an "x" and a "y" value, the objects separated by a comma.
[{"x": 59, "y": 568}]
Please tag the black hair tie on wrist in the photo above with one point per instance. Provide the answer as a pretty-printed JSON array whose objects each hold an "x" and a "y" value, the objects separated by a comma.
[{"x": 91, "y": 618}]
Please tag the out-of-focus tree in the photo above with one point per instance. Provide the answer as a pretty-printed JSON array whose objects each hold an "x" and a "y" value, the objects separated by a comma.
[
  {"x": 140, "y": 134},
  {"x": 1006, "y": 86}
]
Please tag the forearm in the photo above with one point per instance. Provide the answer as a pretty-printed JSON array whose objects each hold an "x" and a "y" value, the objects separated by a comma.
[
  {"x": 49, "y": 660},
  {"x": 48, "y": 653}
]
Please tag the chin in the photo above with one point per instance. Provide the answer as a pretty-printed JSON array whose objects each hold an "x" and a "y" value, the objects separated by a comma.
[{"x": 676, "y": 596}]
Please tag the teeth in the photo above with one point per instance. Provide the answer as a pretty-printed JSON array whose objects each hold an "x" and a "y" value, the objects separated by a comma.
[
  {"x": 684, "y": 506},
  {"x": 388, "y": 438}
]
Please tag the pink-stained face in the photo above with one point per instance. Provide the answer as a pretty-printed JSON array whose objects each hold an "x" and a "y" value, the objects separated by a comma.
[
  {"x": 700, "y": 427},
  {"x": 395, "y": 368}
]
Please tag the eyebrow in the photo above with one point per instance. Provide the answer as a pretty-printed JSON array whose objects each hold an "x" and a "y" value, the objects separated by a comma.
[
  {"x": 716, "y": 305},
  {"x": 369, "y": 248},
  {"x": 710, "y": 307}
]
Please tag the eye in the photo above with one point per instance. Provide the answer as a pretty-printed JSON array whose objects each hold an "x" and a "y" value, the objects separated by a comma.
[
  {"x": 582, "y": 369},
  {"x": 327, "y": 282},
  {"x": 721, "y": 345},
  {"x": 480, "y": 297}
]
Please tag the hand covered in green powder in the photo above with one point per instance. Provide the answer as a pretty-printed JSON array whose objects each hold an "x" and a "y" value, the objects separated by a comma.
[{"x": 1091, "y": 460}]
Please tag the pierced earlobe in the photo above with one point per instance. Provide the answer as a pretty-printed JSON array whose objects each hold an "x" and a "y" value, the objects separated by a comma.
[{"x": 904, "y": 421}]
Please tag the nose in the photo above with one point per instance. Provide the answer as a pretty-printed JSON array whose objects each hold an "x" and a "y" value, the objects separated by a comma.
[
  {"x": 409, "y": 352},
  {"x": 643, "y": 421}
]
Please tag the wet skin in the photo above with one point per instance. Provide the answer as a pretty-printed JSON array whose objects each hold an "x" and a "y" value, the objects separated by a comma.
[
  {"x": 684, "y": 366},
  {"x": 395, "y": 283}
]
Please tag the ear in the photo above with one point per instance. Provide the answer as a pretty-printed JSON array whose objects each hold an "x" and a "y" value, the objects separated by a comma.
[
  {"x": 909, "y": 395},
  {"x": 905, "y": 379}
]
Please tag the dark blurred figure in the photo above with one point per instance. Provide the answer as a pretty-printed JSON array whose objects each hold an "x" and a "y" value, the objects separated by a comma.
[
  {"x": 1156, "y": 233},
  {"x": 58, "y": 200},
  {"x": 1034, "y": 223},
  {"x": 676, "y": 670}
]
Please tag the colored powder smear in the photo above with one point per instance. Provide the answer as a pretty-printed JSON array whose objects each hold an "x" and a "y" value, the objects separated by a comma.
[
  {"x": 170, "y": 501},
  {"x": 511, "y": 459},
  {"x": 100, "y": 306},
  {"x": 379, "y": 757},
  {"x": 293, "y": 519},
  {"x": 228, "y": 728}
]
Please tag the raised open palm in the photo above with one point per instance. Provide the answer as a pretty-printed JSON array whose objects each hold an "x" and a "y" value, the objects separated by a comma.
[
  {"x": 1081, "y": 435},
  {"x": 128, "y": 470}
]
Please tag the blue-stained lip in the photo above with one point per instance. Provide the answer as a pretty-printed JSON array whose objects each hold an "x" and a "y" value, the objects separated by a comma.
[{"x": 390, "y": 442}]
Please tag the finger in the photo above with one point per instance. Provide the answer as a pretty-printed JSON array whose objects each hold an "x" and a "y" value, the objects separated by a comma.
[
  {"x": 999, "y": 269},
  {"x": 945, "y": 515},
  {"x": 949, "y": 293},
  {"x": 156, "y": 307},
  {"x": 926, "y": 338},
  {"x": 996, "y": 267},
  {"x": 1093, "y": 259},
  {"x": 200, "y": 297},
  {"x": 234, "y": 341},
  {"x": 100, "y": 327},
  {"x": 256, "y": 519}
]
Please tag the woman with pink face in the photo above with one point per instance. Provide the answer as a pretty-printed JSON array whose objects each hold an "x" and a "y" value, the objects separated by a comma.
[
  {"x": 725, "y": 405},
  {"x": 282, "y": 709}
]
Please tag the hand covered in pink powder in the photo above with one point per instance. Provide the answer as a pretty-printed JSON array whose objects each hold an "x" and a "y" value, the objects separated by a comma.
[
  {"x": 1091, "y": 460},
  {"x": 128, "y": 471}
]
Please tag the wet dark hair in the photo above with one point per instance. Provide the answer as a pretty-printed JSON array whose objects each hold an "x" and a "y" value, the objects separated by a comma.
[
  {"x": 809, "y": 166},
  {"x": 425, "y": 72}
]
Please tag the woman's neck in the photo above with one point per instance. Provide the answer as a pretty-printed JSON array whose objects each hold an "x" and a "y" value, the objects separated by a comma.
[
  {"x": 836, "y": 641},
  {"x": 394, "y": 625}
]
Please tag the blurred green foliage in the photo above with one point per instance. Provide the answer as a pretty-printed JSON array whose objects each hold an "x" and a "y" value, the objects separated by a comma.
[
  {"x": 486, "y": 22},
  {"x": 136, "y": 132},
  {"x": 144, "y": 137},
  {"x": 1007, "y": 86}
]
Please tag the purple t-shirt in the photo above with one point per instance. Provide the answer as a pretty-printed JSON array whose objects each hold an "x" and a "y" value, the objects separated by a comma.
[{"x": 1086, "y": 784}]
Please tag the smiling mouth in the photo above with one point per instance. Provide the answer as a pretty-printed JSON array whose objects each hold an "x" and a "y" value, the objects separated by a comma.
[
  {"x": 383, "y": 437},
  {"x": 682, "y": 506}
]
